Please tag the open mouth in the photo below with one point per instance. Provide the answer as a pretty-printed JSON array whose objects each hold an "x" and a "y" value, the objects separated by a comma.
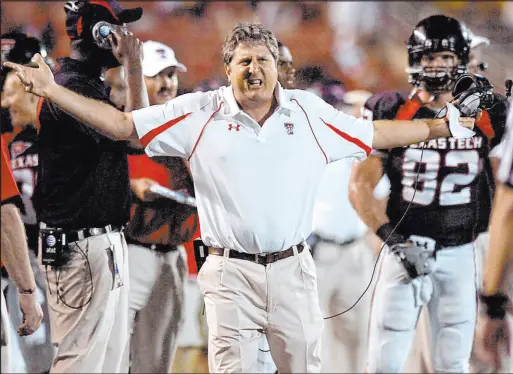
[{"x": 255, "y": 83}]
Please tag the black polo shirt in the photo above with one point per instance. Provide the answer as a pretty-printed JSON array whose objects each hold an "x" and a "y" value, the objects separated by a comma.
[{"x": 83, "y": 176}]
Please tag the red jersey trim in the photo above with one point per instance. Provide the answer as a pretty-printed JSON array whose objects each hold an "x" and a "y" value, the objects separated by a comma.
[
  {"x": 311, "y": 129},
  {"x": 408, "y": 110},
  {"x": 349, "y": 138},
  {"x": 146, "y": 139},
  {"x": 203, "y": 129},
  {"x": 485, "y": 125},
  {"x": 39, "y": 107}
]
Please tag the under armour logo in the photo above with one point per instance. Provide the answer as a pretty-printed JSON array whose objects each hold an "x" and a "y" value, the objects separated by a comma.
[
  {"x": 231, "y": 127},
  {"x": 290, "y": 128}
]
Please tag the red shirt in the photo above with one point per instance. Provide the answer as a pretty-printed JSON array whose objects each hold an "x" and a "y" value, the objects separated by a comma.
[
  {"x": 9, "y": 187},
  {"x": 162, "y": 221}
]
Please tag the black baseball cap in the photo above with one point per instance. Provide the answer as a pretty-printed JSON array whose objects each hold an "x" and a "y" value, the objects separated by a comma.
[{"x": 84, "y": 14}]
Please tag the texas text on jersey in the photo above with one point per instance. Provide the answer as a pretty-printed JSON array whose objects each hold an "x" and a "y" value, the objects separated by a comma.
[
  {"x": 446, "y": 199},
  {"x": 24, "y": 162}
]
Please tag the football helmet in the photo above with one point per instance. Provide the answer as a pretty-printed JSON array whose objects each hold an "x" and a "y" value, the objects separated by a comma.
[{"x": 435, "y": 34}]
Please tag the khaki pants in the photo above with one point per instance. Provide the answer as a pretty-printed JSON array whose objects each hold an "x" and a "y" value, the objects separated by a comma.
[
  {"x": 244, "y": 300},
  {"x": 88, "y": 304},
  {"x": 344, "y": 272},
  {"x": 156, "y": 303}
]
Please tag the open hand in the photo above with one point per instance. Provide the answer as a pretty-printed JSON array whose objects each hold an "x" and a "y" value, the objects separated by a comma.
[{"x": 37, "y": 77}]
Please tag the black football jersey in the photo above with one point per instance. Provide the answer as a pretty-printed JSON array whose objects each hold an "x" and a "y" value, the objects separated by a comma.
[
  {"x": 25, "y": 161},
  {"x": 440, "y": 184}
]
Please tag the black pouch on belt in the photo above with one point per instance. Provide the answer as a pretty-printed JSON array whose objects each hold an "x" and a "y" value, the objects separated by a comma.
[
  {"x": 54, "y": 251},
  {"x": 200, "y": 253}
]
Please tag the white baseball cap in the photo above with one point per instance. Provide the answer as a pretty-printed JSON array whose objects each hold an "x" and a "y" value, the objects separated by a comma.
[{"x": 157, "y": 57}]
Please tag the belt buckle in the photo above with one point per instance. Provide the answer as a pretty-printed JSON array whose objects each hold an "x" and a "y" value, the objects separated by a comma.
[
  {"x": 261, "y": 258},
  {"x": 94, "y": 231}
]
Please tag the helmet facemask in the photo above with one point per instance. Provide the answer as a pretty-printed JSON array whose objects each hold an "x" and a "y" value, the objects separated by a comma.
[{"x": 434, "y": 79}]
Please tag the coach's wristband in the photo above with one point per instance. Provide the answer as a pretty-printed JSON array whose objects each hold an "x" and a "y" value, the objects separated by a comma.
[
  {"x": 495, "y": 305},
  {"x": 387, "y": 233}
]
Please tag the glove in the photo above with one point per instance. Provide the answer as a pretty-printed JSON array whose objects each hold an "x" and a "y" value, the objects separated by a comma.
[{"x": 416, "y": 260}]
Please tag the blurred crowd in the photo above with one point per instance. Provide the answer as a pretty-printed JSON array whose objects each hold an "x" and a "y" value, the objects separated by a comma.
[
  {"x": 342, "y": 51},
  {"x": 354, "y": 42}
]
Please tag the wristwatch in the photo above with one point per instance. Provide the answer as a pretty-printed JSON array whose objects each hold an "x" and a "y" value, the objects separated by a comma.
[{"x": 28, "y": 291}]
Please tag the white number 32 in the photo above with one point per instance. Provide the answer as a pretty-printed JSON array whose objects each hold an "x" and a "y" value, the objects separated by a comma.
[{"x": 428, "y": 176}]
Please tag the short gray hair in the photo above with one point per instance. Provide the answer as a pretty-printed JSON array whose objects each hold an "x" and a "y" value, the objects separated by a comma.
[{"x": 252, "y": 33}]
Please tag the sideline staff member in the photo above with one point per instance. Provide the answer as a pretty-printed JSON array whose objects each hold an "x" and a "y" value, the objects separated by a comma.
[
  {"x": 260, "y": 276},
  {"x": 82, "y": 201},
  {"x": 16, "y": 257}
]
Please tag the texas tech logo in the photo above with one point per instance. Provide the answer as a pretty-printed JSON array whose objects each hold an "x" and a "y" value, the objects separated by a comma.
[
  {"x": 290, "y": 128},
  {"x": 233, "y": 127},
  {"x": 162, "y": 53}
]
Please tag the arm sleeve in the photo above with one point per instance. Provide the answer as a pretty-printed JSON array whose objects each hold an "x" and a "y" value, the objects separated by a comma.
[
  {"x": 340, "y": 135},
  {"x": 171, "y": 129}
]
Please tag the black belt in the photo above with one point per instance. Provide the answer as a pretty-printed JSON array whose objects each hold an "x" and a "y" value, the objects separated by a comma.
[
  {"x": 76, "y": 235},
  {"x": 162, "y": 248},
  {"x": 260, "y": 258},
  {"x": 81, "y": 234}
]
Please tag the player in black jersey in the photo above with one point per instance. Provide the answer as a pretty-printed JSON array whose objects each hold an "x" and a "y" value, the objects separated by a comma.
[{"x": 430, "y": 258}]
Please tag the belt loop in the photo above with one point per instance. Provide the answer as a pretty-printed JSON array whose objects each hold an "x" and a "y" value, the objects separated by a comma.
[
  {"x": 294, "y": 249},
  {"x": 226, "y": 252}
]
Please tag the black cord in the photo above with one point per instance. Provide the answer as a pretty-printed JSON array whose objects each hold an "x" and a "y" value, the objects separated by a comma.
[
  {"x": 59, "y": 295},
  {"x": 395, "y": 227}
]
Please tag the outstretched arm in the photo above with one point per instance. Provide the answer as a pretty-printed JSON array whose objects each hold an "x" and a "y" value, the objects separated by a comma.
[
  {"x": 391, "y": 134},
  {"x": 104, "y": 118}
]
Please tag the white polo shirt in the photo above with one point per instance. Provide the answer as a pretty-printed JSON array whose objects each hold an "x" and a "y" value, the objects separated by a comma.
[{"x": 255, "y": 185}]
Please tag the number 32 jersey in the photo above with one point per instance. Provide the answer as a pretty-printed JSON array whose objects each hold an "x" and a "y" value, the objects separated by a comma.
[{"x": 442, "y": 178}]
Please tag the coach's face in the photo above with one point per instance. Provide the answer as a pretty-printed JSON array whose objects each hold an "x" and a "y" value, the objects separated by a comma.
[
  {"x": 252, "y": 73},
  {"x": 21, "y": 104}
]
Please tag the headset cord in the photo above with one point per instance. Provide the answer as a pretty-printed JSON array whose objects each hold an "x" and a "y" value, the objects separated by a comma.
[{"x": 400, "y": 220}]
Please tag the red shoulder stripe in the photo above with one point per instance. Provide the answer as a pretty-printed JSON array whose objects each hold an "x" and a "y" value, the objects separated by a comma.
[{"x": 146, "y": 139}]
